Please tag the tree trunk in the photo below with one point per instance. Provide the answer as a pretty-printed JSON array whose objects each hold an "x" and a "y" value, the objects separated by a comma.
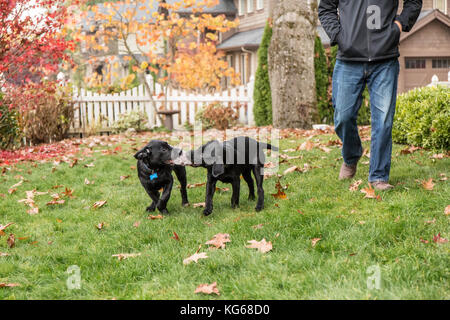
[{"x": 291, "y": 64}]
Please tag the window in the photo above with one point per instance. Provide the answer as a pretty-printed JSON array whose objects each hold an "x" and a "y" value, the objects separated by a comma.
[
  {"x": 259, "y": 4},
  {"x": 241, "y": 7},
  {"x": 441, "y": 5},
  {"x": 441, "y": 63},
  {"x": 250, "y": 7},
  {"x": 414, "y": 63}
]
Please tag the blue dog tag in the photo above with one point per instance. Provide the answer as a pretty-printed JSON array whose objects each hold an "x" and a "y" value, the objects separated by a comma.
[{"x": 153, "y": 176}]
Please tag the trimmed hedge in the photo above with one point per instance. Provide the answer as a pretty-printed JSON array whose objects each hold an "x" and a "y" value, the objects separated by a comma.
[{"x": 422, "y": 118}]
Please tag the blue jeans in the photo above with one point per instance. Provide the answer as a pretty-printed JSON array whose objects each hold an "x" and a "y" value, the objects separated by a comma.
[{"x": 349, "y": 82}]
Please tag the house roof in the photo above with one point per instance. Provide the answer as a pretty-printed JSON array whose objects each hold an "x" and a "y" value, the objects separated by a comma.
[
  {"x": 426, "y": 17},
  {"x": 252, "y": 39},
  {"x": 226, "y": 7}
]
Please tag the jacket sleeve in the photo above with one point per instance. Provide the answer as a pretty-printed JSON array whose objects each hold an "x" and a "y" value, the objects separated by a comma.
[
  {"x": 329, "y": 19},
  {"x": 410, "y": 13}
]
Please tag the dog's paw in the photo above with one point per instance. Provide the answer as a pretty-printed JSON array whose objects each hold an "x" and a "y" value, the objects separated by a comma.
[
  {"x": 259, "y": 208},
  {"x": 234, "y": 205},
  {"x": 163, "y": 211},
  {"x": 251, "y": 197},
  {"x": 150, "y": 208},
  {"x": 185, "y": 204},
  {"x": 207, "y": 212}
]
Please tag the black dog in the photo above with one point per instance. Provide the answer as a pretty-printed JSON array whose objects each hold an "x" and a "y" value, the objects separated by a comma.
[
  {"x": 155, "y": 172},
  {"x": 226, "y": 162}
]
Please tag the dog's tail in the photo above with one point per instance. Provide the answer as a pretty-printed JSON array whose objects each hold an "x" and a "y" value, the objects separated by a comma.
[{"x": 268, "y": 146}]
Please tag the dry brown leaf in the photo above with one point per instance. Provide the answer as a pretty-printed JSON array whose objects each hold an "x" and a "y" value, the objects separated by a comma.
[
  {"x": 219, "y": 240},
  {"x": 258, "y": 226},
  {"x": 3, "y": 228},
  {"x": 122, "y": 256},
  {"x": 87, "y": 182},
  {"x": 355, "y": 185},
  {"x": 90, "y": 165},
  {"x": 314, "y": 241},
  {"x": 137, "y": 224},
  {"x": 9, "y": 285},
  {"x": 195, "y": 185},
  {"x": 207, "y": 288},
  {"x": 100, "y": 226},
  {"x": 447, "y": 210},
  {"x": 155, "y": 217},
  {"x": 431, "y": 221},
  {"x": 11, "y": 241},
  {"x": 370, "y": 193},
  {"x": 307, "y": 145},
  {"x": 55, "y": 202},
  {"x": 262, "y": 245},
  {"x": 428, "y": 184},
  {"x": 124, "y": 177},
  {"x": 99, "y": 204},
  {"x": 195, "y": 257},
  {"x": 4, "y": 254},
  {"x": 439, "y": 239},
  {"x": 280, "y": 193},
  {"x": 293, "y": 169},
  {"x": 199, "y": 205}
]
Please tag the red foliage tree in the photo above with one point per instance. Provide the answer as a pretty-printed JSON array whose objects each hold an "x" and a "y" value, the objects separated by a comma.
[{"x": 32, "y": 39}]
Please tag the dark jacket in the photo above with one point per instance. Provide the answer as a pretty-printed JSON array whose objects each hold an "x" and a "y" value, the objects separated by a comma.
[{"x": 365, "y": 29}]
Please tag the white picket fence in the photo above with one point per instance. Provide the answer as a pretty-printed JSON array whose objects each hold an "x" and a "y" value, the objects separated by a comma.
[{"x": 99, "y": 111}]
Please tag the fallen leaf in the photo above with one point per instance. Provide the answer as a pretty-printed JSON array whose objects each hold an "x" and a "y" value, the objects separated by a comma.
[
  {"x": 155, "y": 217},
  {"x": 4, "y": 254},
  {"x": 355, "y": 185},
  {"x": 424, "y": 241},
  {"x": 55, "y": 202},
  {"x": 370, "y": 193},
  {"x": 99, "y": 204},
  {"x": 3, "y": 228},
  {"x": 207, "y": 288},
  {"x": 87, "y": 182},
  {"x": 122, "y": 256},
  {"x": 447, "y": 210},
  {"x": 280, "y": 193},
  {"x": 68, "y": 193},
  {"x": 195, "y": 185},
  {"x": 100, "y": 226},
  {"x": 409, "y": 150},
  {"x": 199, "y": 205},
  {"x": 124, "y": 177},
  {"x": 90, "y": 165},
  {"x": 175, "y": 236},
  {"x": 258, "y": 226},
  {"x": 262, "y": 245},
  {"x": 136, "y": 224},
  {"x": 314, "y": 241},
  {"x": 439, "y": 239},
  {"x": 9, "y": 285},
  {"x": 73, "y": 163},
  {"x": 307, "y": 145},
  {"x": 219, "y": 240},
  {"x": 195, "y": 257},
  {"x": 11, "y": 241},
  {"x": 431, "y": 221},
  {"x": 428, "y": 184},
  {"x": 292, "y": 169}
]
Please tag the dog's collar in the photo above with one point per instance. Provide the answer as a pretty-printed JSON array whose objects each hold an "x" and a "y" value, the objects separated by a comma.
[{"x": 153, "y": 176}]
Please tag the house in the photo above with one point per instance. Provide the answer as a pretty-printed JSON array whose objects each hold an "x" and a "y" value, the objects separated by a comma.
[{"x": 425, "y": 50}]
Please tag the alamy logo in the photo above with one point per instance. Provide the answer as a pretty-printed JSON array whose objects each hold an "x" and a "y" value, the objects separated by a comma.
[
  {"x": 374, "y": 278},
  {"x": 373, "y": 17},
  {"x": 74, "y": 280}
]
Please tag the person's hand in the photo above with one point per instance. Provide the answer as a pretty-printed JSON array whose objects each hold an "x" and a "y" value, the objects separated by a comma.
[{"x": 399, "y": 25}]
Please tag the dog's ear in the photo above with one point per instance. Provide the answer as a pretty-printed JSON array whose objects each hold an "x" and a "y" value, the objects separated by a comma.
[
  {"x": 143, "y": 153},
  {"x": 217, "y": 169}
]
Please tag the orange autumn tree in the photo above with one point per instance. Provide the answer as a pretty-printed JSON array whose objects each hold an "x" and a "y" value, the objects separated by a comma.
[{"x": 174, "y": 40}]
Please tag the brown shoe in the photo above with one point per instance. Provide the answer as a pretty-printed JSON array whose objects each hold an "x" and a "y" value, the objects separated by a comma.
[
  {"x": 382, "y": 185},
  {"x": 347, "y": 171}
]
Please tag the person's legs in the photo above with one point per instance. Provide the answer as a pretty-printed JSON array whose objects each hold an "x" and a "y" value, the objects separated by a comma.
[
  {"x": 348, "y": 85},
  {"x": 382, "y": 84}
]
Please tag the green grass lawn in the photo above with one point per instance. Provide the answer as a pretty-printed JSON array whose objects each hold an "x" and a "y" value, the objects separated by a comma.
[{"x": 356, "y": 233}]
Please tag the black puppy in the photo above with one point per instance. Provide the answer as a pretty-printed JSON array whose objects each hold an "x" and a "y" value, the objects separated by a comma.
[
  {"x": 226, "y": 162},
  {"x": 155, "y": 172}
]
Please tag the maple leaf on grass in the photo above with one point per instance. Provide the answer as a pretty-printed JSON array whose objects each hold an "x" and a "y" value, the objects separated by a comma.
[
  {"x": 280, "y": 193},
  {"x": 219, "y": 240},
  {"x": 124, "y": 177},
  {"x": 199, "y": 205},
  {"x": 314, "y": 241},
  {"x": 355, "y": 185},
  {"x": 195, "y": 185},
  {"x": 428, "y": 184},
  {"x": 3, "y": 228},
  {"x": 175, "y": 236},
  {"x": 370, "y": 193},
  {"x": 447, "y": 210},
  {"x": 99, "y": 204},
  {"x": 439, "y": 239},
  {"x": 208, "y": 288},
  {"x": 262, "y": 245},
  {"x": 100, "y": 226},
  {"x": 195, "y": 257},
  {"x": 11, "y": 241},
  {"x": 158, "y": 217},
  {"x": 9, "y": 285}
]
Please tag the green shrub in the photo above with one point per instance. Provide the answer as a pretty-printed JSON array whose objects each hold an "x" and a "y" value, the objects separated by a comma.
[
  {"x": 262, "y": 95},
  {"x": 9, "y": 126},
  {"x": 217, "y": 116},
  {"x": 422, "y": 118},
  {"x": 136, "y": 120}
]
